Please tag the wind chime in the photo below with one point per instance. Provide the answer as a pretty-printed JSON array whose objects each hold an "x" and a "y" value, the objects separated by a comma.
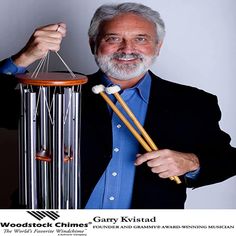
[{"x": 50, "y": 138}]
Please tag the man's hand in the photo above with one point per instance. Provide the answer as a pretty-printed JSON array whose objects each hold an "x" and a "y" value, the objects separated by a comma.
[
  {"x": 42, "y": 40},
  {"x": 167, "y": 163}
]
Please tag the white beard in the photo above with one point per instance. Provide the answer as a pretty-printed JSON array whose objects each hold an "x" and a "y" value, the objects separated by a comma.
[{"x": 124, "y": 71}]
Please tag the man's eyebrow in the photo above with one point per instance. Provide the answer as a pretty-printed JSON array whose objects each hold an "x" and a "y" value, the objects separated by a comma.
[
  {"x": 109, "y": 34},
  {"x": 144, "y": 35},
  {"x": 117, "y": 34}
]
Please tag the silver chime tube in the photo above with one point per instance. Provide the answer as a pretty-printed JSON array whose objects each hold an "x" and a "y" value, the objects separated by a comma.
[
  {"x": 43, "y": 118},
  {"x": 58, "y": 152},
  {"x": 72, "y": 143},
  {"x": 68, "y": 119},
  {"x": 31, "y": 150},
  {"x": 76, "y": 190},
  {"x": 44, "y": 149}
]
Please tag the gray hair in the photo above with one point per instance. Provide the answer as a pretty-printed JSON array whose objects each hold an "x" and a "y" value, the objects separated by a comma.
[{"x": 109, "y": 11}]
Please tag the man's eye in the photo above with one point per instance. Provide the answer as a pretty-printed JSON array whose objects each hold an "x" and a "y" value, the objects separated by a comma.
[
  {"x": 141, "y": 40},
  {"x": 113, "y": 40}
]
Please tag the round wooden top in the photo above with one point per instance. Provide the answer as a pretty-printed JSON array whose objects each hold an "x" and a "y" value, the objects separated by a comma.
[{"x": 48, "y": 79}]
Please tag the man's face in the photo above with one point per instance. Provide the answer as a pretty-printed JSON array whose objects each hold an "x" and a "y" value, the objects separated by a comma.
[{"x": 126, "y": 46}]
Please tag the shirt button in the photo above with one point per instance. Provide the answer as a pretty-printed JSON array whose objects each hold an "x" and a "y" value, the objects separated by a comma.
[
  {"x": 118, "y": 126},
  {"x": 114, "y": 174},
  {"x": 116, "y": 149},
  {"x": 111, "y": 198}
]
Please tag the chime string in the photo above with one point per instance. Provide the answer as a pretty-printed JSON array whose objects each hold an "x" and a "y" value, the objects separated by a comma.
[{"x": 43, "y": 65}]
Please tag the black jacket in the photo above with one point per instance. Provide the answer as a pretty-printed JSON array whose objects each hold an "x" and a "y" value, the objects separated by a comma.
[{"x": 180, "y": 118}]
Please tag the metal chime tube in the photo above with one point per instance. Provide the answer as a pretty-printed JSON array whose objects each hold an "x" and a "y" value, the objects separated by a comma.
[
  {"x": 31, "y": 150},
  {"x": 72, "y": 165},
  {"x": 76, "y": 156},
  {"x": 44, "y": 148},
  {"x": 58, "y": 152},
  {"x": 67, "y": 140},
  {"x": 72, "y": 162}
]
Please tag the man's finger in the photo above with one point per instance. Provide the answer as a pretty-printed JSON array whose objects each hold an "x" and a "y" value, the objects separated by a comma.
[
  {"x": 146, "y": 157},
  {"x": 60, "y": 27},
  {"x": 52, "y": 27}
]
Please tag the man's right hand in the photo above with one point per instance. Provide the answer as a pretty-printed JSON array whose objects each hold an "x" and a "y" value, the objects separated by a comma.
[{"x": 43, "y": 39}]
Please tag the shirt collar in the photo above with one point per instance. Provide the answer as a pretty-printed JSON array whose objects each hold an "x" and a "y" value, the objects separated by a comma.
[{"x": 143, "y": 86}]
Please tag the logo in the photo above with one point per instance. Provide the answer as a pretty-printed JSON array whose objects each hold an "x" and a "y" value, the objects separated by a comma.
[{"x": 39, "y": 215}]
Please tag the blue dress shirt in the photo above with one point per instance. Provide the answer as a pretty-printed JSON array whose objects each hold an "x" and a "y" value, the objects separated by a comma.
[{"x": 10, "y": 68}]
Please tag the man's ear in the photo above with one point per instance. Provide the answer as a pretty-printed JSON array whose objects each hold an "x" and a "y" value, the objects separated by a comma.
[
  {"x": 158, "y": 48},
  {"x": 92, "y": 45}
]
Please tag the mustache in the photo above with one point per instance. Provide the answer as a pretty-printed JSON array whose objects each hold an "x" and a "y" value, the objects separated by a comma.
[{"x": 122, "y": 55}]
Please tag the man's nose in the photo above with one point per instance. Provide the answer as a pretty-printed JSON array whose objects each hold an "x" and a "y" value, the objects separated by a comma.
[{"x": 127, "y": 46}]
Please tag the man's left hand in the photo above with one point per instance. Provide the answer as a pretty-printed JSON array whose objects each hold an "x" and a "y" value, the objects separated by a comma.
[{"x": 167, "y": 163}]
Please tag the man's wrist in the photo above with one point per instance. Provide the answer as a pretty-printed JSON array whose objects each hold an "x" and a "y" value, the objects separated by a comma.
[
  {"x": 194, "y": 162},
  {"x": 20, "y": 60}
]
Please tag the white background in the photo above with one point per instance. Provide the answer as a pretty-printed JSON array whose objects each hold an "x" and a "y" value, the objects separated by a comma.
[{"x": 199, "y": 50}]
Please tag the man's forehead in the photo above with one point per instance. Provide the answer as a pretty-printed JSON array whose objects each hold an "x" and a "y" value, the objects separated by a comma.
[
  {"x": 128, "y": 17},
  {"x": 127, "y": 23}
]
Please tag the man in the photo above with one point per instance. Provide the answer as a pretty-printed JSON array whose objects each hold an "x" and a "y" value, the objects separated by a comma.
[{"x": 183, "y": 121}]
